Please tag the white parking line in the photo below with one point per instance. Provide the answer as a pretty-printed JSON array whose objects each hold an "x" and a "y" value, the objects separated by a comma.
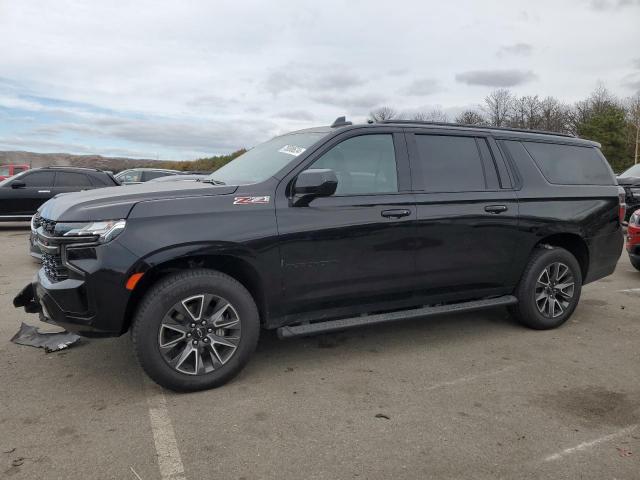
[
  {"x": 169, "y": 461},
  {"x": 470, "y": 378},
  {"x": 592, "y": 443},
  {"x": 632, "y": 290}
]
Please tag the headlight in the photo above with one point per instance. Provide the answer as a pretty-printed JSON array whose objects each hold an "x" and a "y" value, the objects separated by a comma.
[
  {"x": 635, "y": 192},
  {"x": 103, "y": 231}
]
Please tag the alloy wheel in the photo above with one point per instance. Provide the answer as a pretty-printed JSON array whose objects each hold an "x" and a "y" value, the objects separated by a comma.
[
  {"x": 554, "y": 290},
  {"x": 199, "y": 334}
]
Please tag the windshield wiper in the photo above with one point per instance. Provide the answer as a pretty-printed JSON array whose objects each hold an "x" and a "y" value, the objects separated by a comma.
[{"x": 213, "y": 181}]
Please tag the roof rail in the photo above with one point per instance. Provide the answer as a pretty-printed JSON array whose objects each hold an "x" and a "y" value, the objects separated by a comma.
[
  {"x": 72, "y": 166},
  {"x": 450, "y": 124}
]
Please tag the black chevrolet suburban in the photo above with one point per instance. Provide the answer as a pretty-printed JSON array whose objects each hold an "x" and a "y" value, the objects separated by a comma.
[{"x": 325, "y": 229}]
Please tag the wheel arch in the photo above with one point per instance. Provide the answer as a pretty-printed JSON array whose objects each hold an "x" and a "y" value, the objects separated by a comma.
[
  {"x": 571, "y": 242},
  {"x": 233, "y": 265}
]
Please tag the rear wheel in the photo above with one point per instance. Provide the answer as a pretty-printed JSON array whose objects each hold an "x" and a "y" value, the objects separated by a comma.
[
  {"x": 635, "y": 262},
  {"x": 195, "y": 330},
  {"x": 549, "y": 289}
]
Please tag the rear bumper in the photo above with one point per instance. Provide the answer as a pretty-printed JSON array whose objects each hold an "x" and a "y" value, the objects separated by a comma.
[{"x": 604, "y": 253}]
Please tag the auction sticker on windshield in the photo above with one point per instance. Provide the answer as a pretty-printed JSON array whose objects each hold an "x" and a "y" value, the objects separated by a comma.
[{"x": 292, "y": 150}]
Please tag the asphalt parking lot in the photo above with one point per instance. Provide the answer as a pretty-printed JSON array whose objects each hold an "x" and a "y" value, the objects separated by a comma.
[{"x": 458, "y": 396}]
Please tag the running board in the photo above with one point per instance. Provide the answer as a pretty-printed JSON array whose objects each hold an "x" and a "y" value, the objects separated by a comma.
[{"x": 344, "y": 323}]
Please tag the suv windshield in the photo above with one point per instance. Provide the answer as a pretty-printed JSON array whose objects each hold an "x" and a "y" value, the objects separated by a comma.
[
  {"x": 265, "y": 160},
  {"x": 632, "y": 172}
]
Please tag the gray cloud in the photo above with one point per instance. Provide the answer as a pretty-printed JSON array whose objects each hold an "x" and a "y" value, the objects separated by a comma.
[
  {"x": 519, "y": 49},
  {"x": 358, "y": 102},
  {"x": 308, "y": 78},
  {"x": 423, "y": 86},
  {"x": 296, "y": 115},
  {"x": 495, "y": 78},
  {"x": 636, "y": 63},
  {"x": 602, "y": 5}
]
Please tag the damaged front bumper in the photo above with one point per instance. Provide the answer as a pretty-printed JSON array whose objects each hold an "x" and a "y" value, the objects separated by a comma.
[{"x": 27, "y": 299}]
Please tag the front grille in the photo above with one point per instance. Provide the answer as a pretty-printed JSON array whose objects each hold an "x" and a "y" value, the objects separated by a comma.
[{"x": 54, "y": 268}]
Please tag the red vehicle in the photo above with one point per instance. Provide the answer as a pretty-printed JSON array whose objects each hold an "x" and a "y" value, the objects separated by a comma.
[
  {"x": 10, "y": 170},
  {"x": 633, "y": 239}
]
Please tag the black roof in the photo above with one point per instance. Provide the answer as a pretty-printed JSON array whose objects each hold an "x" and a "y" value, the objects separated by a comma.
[{"x": 504, "y": 132}]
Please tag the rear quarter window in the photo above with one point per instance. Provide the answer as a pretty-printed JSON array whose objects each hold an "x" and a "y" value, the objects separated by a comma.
[{"x": 570, "y": 164}]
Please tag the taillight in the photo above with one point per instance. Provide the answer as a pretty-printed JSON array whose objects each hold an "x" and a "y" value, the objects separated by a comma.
[{"x": 622, "y": 205}]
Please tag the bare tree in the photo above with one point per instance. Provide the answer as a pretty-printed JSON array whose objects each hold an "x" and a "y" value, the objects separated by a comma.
[
  {"x": 435, "y": 115},
  {"x": 526, "y": 112},
  {"x": 470, "y": 117},
  {"x": 633, "y": 115},
  {"x": 497, "y": 106},
  {"x": 555, "y": 116},
  {"x": 383, "y": 113}
]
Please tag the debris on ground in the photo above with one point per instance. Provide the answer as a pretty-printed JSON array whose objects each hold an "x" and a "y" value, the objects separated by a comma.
[
  {"x": 51, "y": 342},
  {"x": 382, "y": 415},
  {"x": 624, "y": 452},
  {"x": 17, "y": 462}
]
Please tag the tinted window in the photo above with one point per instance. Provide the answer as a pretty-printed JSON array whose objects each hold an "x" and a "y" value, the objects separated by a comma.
[
  {"x": 570, "y": 164},
  {"x": 364, "y": 164},
  {"x": 134, "y": 176},
  {"x": 71, "y": 179},
  {"x": 448, "y": 164},
  {"x": 37, "y": 179},
  {"x": 149, "y": 175}
]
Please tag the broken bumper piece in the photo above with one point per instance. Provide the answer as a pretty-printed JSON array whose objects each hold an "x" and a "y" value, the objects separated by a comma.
[
  {"x": 51, "y": 342},
  {"x": 27, "y": 299}
]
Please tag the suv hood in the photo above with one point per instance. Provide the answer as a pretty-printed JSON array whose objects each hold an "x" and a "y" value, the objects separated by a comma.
[
  {"x": 628, "y": 181},
  {"x": 113, "y": 203}
]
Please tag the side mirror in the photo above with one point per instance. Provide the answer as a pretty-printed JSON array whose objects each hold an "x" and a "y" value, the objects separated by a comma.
[
  {"x": 314, "y": 183},
  {"x": 18, "y": 184}
]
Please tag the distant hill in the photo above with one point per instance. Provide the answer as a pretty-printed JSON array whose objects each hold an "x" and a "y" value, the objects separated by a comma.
[
  {"x": 115, "y": 164},
  {"x": 37, "y": 160}
]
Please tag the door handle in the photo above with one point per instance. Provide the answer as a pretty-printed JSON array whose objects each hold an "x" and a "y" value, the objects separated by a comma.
[
  {"x": 496, "y": 208},
  {"x": 44, "y": 191},
  {"x": 396, "y": 213}
]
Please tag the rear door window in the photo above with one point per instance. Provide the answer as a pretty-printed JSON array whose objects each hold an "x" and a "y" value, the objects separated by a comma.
[
  {"x": 72, "y": 179},
  {"x": 448, "y": 163},
  {"x": 570, "y": 164}
]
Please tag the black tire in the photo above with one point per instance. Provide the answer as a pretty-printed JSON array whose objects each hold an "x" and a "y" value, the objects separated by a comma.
[
  {"x": 635, "y": 262},
  {"x": 528, "y": 311},
  {"x": 162, "y": 298}
]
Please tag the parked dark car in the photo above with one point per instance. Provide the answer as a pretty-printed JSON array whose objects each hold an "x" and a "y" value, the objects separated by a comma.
[
  {"x": 134, "y": 176},
  {"x": 325, "y": 229},
  {"x": 630, "y": 181},
  {"x": 22, "y": 194}
]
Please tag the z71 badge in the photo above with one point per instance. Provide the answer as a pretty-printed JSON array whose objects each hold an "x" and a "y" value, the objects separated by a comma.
[{"x": 251, "y": 200}]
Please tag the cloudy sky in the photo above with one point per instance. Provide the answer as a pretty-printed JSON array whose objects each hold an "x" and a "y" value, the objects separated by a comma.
[{"x": 185, "y": 79}]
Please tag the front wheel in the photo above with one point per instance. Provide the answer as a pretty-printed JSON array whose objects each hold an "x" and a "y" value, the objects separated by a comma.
[
  {"x": 195, "y": 330},
  {"x": 635, "y": 261},
  {"x": 549, "y": 289}
]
